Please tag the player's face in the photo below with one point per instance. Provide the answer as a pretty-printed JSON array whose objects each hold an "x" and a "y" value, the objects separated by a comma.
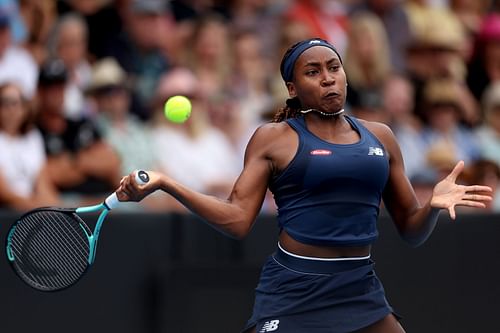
[{"x": 319, "y": 80}]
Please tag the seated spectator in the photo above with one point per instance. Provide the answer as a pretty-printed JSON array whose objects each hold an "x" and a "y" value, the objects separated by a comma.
[
  {"x": 399, "y": 105},
  {"x": 24, "y": 180},
  {"x": 484, "y": 65},
  {"x": 16, "y": 64},
  {"x": 446, "y": 140},
  {"x": 139, "y": 48},
  {"x": 367, "y": 66},
  {"x": 489, "y": 133},
  {"x": 68, "y": 42},
  {"x": 183, "y": 148},
  {"x": 79, "y": 161},
  {"x": 123, "y": 131}
]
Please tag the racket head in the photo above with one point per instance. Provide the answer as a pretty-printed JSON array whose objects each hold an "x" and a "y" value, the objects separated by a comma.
[{"x": 49, "y": 248}]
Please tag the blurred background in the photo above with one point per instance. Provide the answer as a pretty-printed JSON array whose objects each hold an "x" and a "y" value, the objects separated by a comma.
[{"x": 82, "y": 87}]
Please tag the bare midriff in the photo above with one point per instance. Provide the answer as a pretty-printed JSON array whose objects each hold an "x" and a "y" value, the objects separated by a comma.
[{"x": 291, "y": 245}]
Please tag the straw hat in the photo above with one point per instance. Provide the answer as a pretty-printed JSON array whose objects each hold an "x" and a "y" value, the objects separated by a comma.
[{"x": 106, "y": 73}]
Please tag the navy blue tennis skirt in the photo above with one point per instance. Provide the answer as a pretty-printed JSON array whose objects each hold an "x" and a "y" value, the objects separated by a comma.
[{"x": 308, "y": 295}]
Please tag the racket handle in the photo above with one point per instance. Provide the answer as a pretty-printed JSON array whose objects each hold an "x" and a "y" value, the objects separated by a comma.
[{"x": 141, "y": 178}]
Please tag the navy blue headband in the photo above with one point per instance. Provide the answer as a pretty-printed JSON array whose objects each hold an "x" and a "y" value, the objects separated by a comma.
[{"x": 289, "y": 59}]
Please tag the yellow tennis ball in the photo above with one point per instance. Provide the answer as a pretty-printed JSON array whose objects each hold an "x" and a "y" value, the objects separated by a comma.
[{"x": 177, "y": 109}]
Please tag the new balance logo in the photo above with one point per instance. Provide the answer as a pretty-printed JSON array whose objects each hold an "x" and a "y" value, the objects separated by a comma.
[
  {"x": 375, "y": 151},
  {"x": 270, "y": 326}
]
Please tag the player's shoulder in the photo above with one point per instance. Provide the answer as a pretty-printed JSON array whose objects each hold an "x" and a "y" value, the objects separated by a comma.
[
  {"x": 268, "y": 136},
  {"x": 379, "y": 129},
  {"x": 271, "y": 130}
]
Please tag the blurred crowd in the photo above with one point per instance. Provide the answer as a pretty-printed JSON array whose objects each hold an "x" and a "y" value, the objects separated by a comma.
[{"x": 83, "y": 83}]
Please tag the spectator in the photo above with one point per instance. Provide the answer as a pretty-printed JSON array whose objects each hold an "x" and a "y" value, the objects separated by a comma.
[
  {"x": 38, "y": 17},
  {"x": 447, "y": 141},
  {"x": 68, "y": 42},
  {"x": 324, "y": 19},
  {"x": 398, "y": 104},
  {"x": 24, "y": 181},
  {"x": 183, "y": 148},
  {"x": 209, "y": 55},
  {"x": 103, "y": 20},
  {"x": 489, "y": 133},
  {"x": 484, "y": 67},
  {"x": 138, "y": 49},
  {"x": 16, "y": 64},
  {"x": 249, "y": 83},
  {"x": 261, "y": 17},
  {"x": 441, "y": 35},
  {"x": 396, "y": 24},
  {"x": 79, "y": 161},
  {"x": 437, "y": 52},
  {"x": 367, "y": 66},
  {"x": 126, "y": 134}
]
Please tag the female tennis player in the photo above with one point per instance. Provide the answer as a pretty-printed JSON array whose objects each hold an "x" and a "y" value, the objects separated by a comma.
[{"x": 328, "y": 173}]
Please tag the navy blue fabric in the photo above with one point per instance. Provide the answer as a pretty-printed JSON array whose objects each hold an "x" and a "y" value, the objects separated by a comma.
[
  {"x": 303, "y": 295},
  {"x": 288, "y": 62},
  {"x": 330, "y": 194}
]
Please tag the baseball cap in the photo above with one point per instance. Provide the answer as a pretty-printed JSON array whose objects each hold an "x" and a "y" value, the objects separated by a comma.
[{"x": 51, "y": 72}]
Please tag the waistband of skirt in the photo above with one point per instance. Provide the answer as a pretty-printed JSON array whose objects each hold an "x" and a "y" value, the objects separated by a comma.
[{"x": 319, "y": 265}]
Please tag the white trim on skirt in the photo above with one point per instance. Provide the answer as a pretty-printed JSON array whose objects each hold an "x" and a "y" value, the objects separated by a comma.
[{"x": 322, "y": 259}]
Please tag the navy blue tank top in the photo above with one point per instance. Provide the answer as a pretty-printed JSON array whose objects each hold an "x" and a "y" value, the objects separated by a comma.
[{"x": 330, "y": 194}]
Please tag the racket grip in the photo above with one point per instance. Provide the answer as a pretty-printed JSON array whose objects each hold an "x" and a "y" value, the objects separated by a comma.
[
  {"x": 141, "y": 178},
  {"x": 112, "y": 201}
]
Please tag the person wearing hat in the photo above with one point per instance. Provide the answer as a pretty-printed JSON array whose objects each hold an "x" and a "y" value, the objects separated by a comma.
[
  {"x": 446, "y": 140},
  {"x": 126, "y": 134},
  {"x": 80, "y": 163},
  {"x": 328, "y": 172}
]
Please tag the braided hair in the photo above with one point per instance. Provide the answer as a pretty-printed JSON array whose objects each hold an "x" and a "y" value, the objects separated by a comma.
[{"x": 291, "y": 110}]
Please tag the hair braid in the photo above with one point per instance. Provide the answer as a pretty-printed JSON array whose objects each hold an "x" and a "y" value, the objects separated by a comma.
[{"x": 291, "y": 110}]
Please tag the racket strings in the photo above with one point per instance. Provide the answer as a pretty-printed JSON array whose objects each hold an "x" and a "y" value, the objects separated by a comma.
[
  {"x": 52, "y": 262},
  {"x": 51, "y": 249}
]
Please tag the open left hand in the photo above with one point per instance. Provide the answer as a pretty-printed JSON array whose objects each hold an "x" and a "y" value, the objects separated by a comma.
[{"x": 447, "y": 194}]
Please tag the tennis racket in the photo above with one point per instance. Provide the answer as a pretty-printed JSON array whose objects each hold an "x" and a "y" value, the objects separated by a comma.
[{"x": 51, "y": 248}]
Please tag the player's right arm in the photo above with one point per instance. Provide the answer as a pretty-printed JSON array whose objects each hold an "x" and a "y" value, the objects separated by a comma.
[{"x": 235, "y": 215}]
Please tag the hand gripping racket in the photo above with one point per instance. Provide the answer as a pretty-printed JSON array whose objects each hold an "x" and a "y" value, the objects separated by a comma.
[{"x": 51, "y": 248}]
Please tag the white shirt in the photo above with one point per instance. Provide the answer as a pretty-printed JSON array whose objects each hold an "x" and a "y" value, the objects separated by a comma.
[
  {"x": 196, "y": 162},
  {"x": 21, "y": 160},
  {"x": 18, "y": 66}
]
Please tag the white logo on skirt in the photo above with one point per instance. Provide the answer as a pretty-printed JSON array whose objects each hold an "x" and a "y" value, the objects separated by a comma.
[{"x": 270, "y": 326}]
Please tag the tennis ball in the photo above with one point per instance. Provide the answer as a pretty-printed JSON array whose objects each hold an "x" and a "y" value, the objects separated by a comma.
[{"x": 177, "y": 109}]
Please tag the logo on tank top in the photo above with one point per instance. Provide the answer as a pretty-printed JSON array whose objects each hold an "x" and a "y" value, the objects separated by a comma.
[
  {"x": 320, "y": 152},
  {"x": 270, "y": 326},
  {"x": 375, "y": 151}
]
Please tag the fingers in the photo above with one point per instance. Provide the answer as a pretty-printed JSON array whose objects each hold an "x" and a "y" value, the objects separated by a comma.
[
  {"x": 478, "y": 188},
  {"x": 456, "y": 171},
  {"x": 470, "y": 203},
  {"x": 477, "y": 197},
  {"x": 451, "y": 211}
]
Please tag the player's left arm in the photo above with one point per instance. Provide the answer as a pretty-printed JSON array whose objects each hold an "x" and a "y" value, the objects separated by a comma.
[{"x": 415, "y": 222}]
